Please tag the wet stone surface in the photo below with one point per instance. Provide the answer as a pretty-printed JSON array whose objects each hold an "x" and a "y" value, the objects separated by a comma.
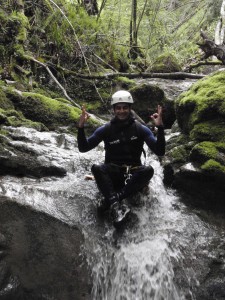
[{"x": 40, "y": 257}]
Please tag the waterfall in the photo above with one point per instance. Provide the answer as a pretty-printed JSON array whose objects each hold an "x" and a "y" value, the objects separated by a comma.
[
  {"x": 139, "y": 263},
  {"x": 154, "y": 257}
]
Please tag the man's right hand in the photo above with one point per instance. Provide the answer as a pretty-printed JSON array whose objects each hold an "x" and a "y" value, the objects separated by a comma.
[{"x": 83, "y": 117}]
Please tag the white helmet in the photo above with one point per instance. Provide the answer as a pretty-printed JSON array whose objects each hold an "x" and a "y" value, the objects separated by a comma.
[{"x": 121, "y": 96}]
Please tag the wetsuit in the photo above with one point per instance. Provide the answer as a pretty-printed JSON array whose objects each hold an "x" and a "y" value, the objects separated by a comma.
[{"x": 124, "y": 142}]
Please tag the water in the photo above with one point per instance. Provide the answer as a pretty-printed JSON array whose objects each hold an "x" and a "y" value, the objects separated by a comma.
[
  {"x": 139, "y": 263},
  {"x": 143, "y": 262},
  {"x": 154, "y": 257}
]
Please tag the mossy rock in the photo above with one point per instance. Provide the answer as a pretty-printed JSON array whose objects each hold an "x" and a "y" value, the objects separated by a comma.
[
  {"x": 201, "y": 117},
  {"x": 146, "y": 98},
  {"x": 212, "y": 130},
  {"x": 176, "y": 140},
  {"x": 3, "y": 119},
  {"x": 5, "y": 103},
  {"x": 169, "y": 116},
  {"x": 203, "y": 102},
  {"x": 179, "y": 155},
  {"x": 85, "y": 92},
  {"x": 210, "y": 156},
  {"x": 16, "y": 119},
  {"x": 124, "y": 83},
  {"x": 214, "y": 169},
  {"x": 166, "y": 63},
  {"x": 50, "y": 112}
]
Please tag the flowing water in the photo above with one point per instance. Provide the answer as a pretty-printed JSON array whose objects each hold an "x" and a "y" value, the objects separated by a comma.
[
  {"x": 150, "y": 258},
  {"x": 160, "y": 253}
]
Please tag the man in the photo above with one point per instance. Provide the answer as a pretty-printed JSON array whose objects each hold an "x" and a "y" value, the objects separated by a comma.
[{"x": 122, "y": 174}]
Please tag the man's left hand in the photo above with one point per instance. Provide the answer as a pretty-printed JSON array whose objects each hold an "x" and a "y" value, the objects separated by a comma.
[{"x": 157, "y": 117}]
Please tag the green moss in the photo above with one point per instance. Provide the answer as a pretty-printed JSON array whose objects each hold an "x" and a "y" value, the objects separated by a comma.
[
  {"x": 204, "y": 101},
  {"x": 63, "y": 100},
  {"x": 51, "y": 112},
  {"x": 179, "y": 154},
  {"x": 21, "y": 23},
  {"x": 212, "y": 166},
  {"x": 5, "y": 103},
  {"x": 209, "y": 131},
  {"x": 204, "y": 151},
  {"x": 47, "y": 110},
  {"x": 49, "y": 93},
  {"x": 15, "y": 118},
  {"x": 166, "y": 63},
  {"x": 124, "y": 82},
  {"x": 177, "y": 140},
  {"x": 93, "y": 106}
]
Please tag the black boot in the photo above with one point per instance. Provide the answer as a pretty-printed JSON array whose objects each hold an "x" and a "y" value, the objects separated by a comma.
[
  {"x": 105, "y": 204},
  {"x": 119, "y": 213},
  {"x": 121, "y": 195},
  {"x": 102, "y": 207}
]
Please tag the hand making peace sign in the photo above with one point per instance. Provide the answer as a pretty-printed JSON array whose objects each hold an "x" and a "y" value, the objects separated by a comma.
[
  {"x": 83, "y": 117},
  {"x": 157, "y": 117}
]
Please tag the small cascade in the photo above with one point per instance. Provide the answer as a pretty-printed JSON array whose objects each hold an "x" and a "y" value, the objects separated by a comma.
[
  {"x": 154, "y": 257},
  {"x": 142, "y": 262}
]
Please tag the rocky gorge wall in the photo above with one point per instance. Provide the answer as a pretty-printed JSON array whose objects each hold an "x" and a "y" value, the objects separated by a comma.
[
  {"x": 195, "y": 157},
  {"x": 193, "y": 164}
]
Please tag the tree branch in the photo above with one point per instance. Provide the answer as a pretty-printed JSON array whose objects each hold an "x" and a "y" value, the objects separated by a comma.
[
  {"x": 61, "y": 87},
  {"x": 56, "y": 81},
  {"x": 203, "y": 63},
  {"x": 110, "y": 76}
]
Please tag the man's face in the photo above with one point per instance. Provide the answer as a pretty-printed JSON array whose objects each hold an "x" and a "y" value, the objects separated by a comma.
[{"x": 122, "y": 111}]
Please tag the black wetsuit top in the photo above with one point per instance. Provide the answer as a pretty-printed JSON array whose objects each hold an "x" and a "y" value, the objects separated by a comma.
[{"x": 123, "y": 141}]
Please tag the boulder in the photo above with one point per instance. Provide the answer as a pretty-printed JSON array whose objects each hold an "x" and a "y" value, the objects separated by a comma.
[
  {"x": 195, "y": 158},
  {"x": 20, "y": 159},
  {"x": 41, "y": 257},
  {"x": 147, "y": 97}
]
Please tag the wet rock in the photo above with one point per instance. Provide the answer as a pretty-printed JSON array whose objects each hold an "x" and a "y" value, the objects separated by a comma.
[
  {"x": 25, "y": 153},
  {"x": 9, "y": 285},
  {"x": 147, "y": 97},
  {"x": 27, "y": 165},
  {"x": 202, "y": 190},
  {"x": 212, "y": 286},
  {"x": 44, "y": 257},
  {"x": 195, "y": 156}
]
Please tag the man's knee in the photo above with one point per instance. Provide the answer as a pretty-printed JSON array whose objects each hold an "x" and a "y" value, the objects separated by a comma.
[
  {"x": 149, "y": 172},
  {"x": 98, "y": 169},
  {"x": 95, "y": 168},
  {"x": 146, "y": 172}
]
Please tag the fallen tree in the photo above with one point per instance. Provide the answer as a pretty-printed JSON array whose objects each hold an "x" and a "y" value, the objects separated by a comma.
[
  {"x": 210, "y": 48},
  {"x": 174, "y": 76},
  {"x": 109, "y": 76},
  {"x": 203, "y": 63}
]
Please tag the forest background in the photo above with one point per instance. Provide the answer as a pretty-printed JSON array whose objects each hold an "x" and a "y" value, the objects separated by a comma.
[
  {"x": 114, "y": 33},
  {"x": 72, "y": 47}
]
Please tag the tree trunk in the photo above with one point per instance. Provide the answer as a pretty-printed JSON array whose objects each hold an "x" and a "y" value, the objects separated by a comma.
[
  {"x": 19, "y": 6},
  {"x": 220, "y": 28},
  {"x": 91, "y": 7},
  {"x": 211, "y": 49},
  {"x": 101, "y": 8},
  {"x": 133, "y": 31}
]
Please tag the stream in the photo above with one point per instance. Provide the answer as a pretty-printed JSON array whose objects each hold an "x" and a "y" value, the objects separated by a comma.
[{"x": 161, "y": 252}]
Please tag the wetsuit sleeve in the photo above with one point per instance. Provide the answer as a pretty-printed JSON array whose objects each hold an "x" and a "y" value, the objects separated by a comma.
[
  {"x": 156, "y": 144},
  {"x": 86, "y": 144}
]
